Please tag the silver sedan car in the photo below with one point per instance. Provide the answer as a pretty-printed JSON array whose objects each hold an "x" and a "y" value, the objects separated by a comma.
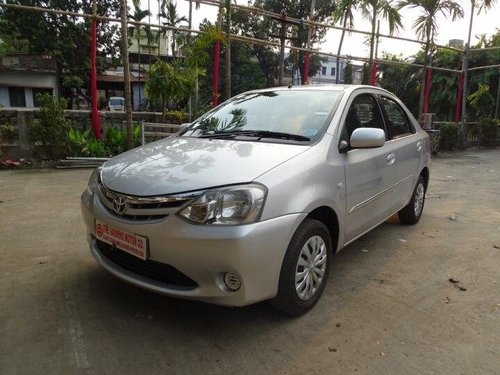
[{"x": 249, "y": 202}]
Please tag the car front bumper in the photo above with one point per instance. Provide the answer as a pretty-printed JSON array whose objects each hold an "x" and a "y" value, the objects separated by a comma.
[{"x": 204, "y": 253}]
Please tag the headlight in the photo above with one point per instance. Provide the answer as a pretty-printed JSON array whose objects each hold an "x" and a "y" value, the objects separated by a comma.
[
  {"x": 93, "y": 180},
  {"x": 227, "y": 206}
]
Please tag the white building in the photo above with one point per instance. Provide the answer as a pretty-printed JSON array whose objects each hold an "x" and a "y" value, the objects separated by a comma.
[
  {"x": 327, "y": 72},
  {"x": 24, "y": 76}
]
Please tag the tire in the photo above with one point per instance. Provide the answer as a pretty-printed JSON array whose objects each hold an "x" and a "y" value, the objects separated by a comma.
[
  {"x": 293, "y": 298},
  {"x": 412, "y": 212}
]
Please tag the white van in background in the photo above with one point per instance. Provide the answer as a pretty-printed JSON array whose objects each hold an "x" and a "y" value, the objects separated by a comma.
[{"x": 116, "y": 103}]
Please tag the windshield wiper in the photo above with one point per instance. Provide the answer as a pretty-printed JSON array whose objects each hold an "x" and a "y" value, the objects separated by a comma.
[{"x": 257, "y": 133}]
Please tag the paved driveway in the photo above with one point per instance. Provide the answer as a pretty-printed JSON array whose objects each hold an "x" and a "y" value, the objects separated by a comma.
[{"x": 389, "y": 307}]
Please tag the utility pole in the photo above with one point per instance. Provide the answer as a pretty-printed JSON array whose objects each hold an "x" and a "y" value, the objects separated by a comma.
[{"x": 126, "y": 76}]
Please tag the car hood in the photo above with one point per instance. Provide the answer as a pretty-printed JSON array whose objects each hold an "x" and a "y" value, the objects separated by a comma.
[{"x": 182, "y": 164}]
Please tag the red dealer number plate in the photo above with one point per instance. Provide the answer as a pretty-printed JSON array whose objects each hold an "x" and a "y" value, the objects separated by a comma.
[{"x": 129, "y": 242}]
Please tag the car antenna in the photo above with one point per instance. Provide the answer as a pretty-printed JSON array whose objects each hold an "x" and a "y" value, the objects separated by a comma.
[{"x": 290, "y": 86}]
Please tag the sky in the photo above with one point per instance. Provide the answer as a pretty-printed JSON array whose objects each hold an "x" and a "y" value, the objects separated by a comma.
[{"x": 485, "y": 23}]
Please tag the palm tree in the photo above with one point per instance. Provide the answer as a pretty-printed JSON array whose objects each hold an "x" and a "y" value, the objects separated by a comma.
[
  {"x": 344, "y": 14},
  {"x": 173, "y": 19},
  {"x": 372, "y": 10},
  {"x": 480, "y": 5},
  {"x": 426, "y": 27},
  {"x": 135, "y": 31}
]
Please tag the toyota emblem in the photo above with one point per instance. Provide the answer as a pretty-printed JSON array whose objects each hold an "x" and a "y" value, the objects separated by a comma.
[{"x": 120, "y": 205}]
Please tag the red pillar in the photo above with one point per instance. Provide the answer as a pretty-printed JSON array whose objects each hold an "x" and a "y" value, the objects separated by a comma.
[
  {"x": 96, "y": 123},
  {"x": 215, "y": 89},
  {"x": 427, "y": 92},
  {"x": 306, "y": 68},
  {"x": 459, "y": 97},
  {"x": 373, "y": 77}
]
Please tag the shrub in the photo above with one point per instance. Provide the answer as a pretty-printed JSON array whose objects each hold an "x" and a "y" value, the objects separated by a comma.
[
  {"x": 52, "y": 126},
  {"x": 8, "y": 132},
  {"x": 488, "y": 131},
  {"x": 448, "y": 136},
  {"x": 113, "y": 143},
  {"x": 115, "y": 140},
  {"x": 77, "y": 142},
  {"x": 176, "y": 117}
]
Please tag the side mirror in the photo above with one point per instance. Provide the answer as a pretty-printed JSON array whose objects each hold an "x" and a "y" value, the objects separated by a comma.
[{"x": 367, "y": 138}]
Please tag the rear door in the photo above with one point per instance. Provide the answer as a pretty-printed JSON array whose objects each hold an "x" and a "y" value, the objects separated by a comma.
[
  {"x": 408, "y": 148},
  {"x": 370, "y": 173}
]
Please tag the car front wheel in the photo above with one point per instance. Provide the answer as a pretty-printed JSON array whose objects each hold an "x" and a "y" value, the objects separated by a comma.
[
  {"x": 412, "y": 212},
  {"x": 305, "y": 268}
]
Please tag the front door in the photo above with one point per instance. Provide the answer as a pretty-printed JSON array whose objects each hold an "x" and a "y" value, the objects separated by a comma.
[{"x": 369, "y": 173}]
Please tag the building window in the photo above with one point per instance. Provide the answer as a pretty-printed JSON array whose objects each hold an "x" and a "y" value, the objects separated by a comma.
[
  {"x": 323, "y": 70},
  {"x": 38, "y": 91},
  {"x": 333, "y": 71},
  {"x": 17, "y": 97}
]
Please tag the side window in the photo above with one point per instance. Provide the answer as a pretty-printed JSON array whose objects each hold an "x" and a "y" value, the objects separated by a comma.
[
  {"x": 363, "y": 113},
  {"x": 396, "y": 119}
]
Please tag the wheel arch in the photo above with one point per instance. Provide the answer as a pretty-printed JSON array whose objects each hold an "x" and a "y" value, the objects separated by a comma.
[
  {"x": 329, "y": 218},
  {"x": 425, "y": 174}
]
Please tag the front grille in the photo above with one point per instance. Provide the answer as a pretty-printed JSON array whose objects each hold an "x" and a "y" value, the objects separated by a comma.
[
  {"x": 157, "y": 271},
  {"x": 137, "y": 208}
]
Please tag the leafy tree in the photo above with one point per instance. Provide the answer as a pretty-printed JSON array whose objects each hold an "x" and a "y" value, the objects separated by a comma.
[
  {"x": 52, "y": 126},
  {"x": 300, "y": 10},
  {"x": 251, "y": 25},
  {"x": 165, "y": 83},
  {"x": 480, "y": 57},
  {"x": 400, "y": 79},
  {"x": 64, "y": 37},
  {"x": 481, "y": 100},
  {"x": 444, "y": 90}
]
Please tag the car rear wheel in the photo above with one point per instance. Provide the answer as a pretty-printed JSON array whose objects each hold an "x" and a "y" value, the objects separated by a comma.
[
  {"x": 305, "y": 268},
  {"x": 412, "y": 212}
]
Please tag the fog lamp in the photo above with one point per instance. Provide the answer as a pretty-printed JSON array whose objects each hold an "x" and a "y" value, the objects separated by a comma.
[{"x": 232, "y": 281}]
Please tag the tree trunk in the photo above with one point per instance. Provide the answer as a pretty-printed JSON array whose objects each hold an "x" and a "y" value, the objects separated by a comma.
[
  {"x": 372, "y": 37},
  {"x": 337, "y": 65},
  {"x": 228, "y": 49},
  {"x": 465, "y": 63},
  {"x": 126, "y": 76},
  {"x": 149, "y": 34},
  {"x": 424, "y": 75},
  {"x": 139, "y": 49}
]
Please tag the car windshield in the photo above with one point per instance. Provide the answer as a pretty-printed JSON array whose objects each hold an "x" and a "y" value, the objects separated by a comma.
[
  {"x": 296, "y": 115},
  {"x": 116, "y": 102}
]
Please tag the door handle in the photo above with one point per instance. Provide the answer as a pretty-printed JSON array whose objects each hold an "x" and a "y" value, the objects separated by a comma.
[
  {"x": 419, "y": 146},
  {"x": 391, "y": 158}
]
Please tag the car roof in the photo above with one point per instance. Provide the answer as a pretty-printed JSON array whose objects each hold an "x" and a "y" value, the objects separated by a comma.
[{"x": 327, "y": 87}]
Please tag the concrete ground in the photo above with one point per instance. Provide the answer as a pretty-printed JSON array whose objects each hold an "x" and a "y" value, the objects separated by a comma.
[{"x": 389, "y": 307}]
